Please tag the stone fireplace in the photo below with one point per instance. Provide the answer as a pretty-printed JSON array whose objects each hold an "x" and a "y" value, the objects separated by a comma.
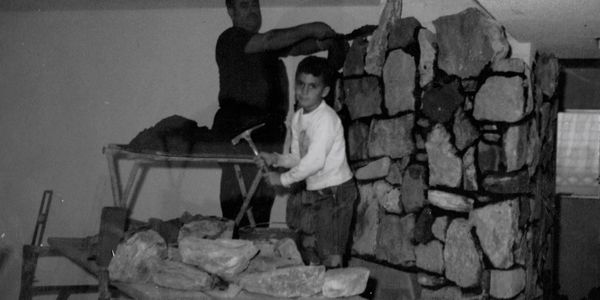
[{"x": 452, "y": 139}]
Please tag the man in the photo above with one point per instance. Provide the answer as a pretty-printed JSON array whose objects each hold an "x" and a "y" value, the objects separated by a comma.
[{"x": 253, "y": 90}]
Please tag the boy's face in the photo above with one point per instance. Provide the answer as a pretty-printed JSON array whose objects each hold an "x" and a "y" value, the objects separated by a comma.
[{"x": 309, "y": 91}]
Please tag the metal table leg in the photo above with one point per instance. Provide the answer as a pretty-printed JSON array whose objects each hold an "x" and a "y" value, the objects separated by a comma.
[{"x": 248, "y": 197}]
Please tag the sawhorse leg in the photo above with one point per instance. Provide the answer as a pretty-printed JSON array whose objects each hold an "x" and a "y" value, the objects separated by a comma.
[
  {"x": 30, "y": 257},
  {"x": 122, "y": 198},
  {"x": 112, "y": 228},
  {"x": 136, "y": 171},
  {"x": 247, "y": 195}
]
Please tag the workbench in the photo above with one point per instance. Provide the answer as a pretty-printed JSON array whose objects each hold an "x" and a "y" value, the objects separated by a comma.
[
  {"x": 123, "y": 197},
  {"x": 92, "y": 255}
]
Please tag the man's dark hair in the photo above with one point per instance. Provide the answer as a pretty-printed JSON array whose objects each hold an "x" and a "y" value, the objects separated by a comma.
[
  {"x": 317, "y": 66},
  {"x": 229, "y": 3}
]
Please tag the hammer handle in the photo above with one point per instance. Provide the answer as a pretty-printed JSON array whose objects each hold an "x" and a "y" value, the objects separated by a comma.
[{"x": 254, "y": 149}]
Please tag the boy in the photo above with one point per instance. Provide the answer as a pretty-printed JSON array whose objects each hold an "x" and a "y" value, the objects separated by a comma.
[{"x": 318, "y": 156}]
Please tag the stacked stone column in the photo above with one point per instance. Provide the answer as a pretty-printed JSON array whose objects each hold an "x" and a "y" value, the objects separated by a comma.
[{"x": 452, "y": 140}]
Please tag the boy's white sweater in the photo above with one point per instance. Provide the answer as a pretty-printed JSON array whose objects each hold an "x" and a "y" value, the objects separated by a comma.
[{"x": 318, "y": 150}]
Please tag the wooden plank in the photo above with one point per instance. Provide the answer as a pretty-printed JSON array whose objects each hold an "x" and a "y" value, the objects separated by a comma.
[
  {"x": 141, "y": 291},
  {"x": 123, "y": 153}
]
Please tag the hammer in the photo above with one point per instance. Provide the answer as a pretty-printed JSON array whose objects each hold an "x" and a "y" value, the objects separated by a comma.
[{"x": 246, "y": 135}]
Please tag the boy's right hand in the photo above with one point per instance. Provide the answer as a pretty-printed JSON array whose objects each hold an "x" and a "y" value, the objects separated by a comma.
[{"x": 266, "y": 159}]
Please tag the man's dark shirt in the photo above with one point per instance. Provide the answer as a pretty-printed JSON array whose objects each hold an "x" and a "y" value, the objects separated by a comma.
[{"x": 252, "y": 88}]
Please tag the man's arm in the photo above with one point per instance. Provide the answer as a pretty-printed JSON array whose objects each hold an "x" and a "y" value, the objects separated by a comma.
[{"x": 278, "y": 39}]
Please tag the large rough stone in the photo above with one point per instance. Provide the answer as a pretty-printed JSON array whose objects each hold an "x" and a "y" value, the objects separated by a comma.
[
  {"x": 507, "y": 284},
  {"x": 468, "y": 41},
  {"x": 523, "y": 248},
  {"x": 530, "y": 102},
  {"x": 497, "y": 227},
  {"x": 358, "y": 136},
  {"x": 394, "y": 240},
  {"x": 428, "y": 280},
  {"x": 515, "y": 146},
  {"x": 414, "y": 187},
  {"x": 354, "y": 65},
  {"x": 489, "y": 157},
  {"x": 441, "y": 100},
  {"x": 392, "y": 137},
  {"x": 465, "y": 133},
  {"x": 422, "y": 233},
  {"x": 534, "y": 147},
  {"x": 463, "y": 260},
  {"x": 509, "y": 65},
  {"x": 491, "y": 137},
  {"x": 469, "y": 85},
  {"x": 375, "y": 169},
  {"x": 399, "y": 74},
  {"x": 445, "y": 168},
  {"x": 500, "y": 99},
  {"x": 208, "y": 228},
  {"x": 223, "y": 257},
  {"x": 420, "y": 141},
  {"x": 524, "y": 211},
  {"x": 274, "y": 254},
  {"x": 448, "y": 293},
  {"x": 428, "y": 53},
  {"x": 450, "y": 201},
  {"x": 363, "y": 96},
  {"x": 388, "y": 197},
  {"x": 177, "y": 275},
  {"x": 439, "y": 227},
  {"x": 547, "y": 71},
  {"x": 302, "y": 281},
  {"x": 378, "y": 44},
  {"x": 263, "y": 263},
  {"x": 367, "y": 225},
  {"x": 345, "y": 282},
  {"x": 430, "y": 257},
  {"x": 470, "y": 171},
  {"x": 396, "y": 170},
  {"x": 402, "y": 33},
  {"x": 513, "y": 183},
  {"x": 286, "y": 248},
  {"x": 133, "y": 259}
]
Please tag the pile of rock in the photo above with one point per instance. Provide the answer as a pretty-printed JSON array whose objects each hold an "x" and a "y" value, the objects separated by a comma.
[
  {"x": 206, "y": 256},
  {"x": 453, "y": 140}
]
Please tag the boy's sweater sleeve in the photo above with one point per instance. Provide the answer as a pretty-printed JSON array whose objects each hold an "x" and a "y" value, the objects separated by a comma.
[
  {"x": 321, "y": 136},
  {"x": 292, "y": 159}
]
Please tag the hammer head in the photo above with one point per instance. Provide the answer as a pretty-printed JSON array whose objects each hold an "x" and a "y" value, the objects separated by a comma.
[{"x": 245, "y": 134}]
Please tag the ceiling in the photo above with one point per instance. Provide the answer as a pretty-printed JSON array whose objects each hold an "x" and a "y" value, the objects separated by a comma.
[{"x": 567, "y": 28}]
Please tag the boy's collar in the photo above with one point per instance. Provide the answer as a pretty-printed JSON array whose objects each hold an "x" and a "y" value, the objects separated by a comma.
[{"x": 304, "y": 112}]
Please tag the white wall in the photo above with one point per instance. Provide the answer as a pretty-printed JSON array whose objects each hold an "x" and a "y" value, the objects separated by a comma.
[{"x": 74, "y": 80}]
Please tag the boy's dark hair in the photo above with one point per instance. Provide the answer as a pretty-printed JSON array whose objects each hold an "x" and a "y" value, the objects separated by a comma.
[{"x": 318, "y": 67}]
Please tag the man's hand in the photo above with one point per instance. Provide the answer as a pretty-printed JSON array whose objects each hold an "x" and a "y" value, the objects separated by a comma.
[
  {"x": 273, "y": 178},
  {"x": 337, "y": 49}
]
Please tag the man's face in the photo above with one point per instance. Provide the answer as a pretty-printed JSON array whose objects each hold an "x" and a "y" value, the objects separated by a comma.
[
  {"x": 246, "y": 14},
  {"x": 309, "y": 91}
]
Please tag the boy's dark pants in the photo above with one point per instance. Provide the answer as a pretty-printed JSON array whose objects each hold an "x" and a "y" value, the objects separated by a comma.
[{"x": 325, "y": 215}]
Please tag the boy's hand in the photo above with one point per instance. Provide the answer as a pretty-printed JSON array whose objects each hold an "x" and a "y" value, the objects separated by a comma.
[
  {"x": 273, "y": 178},
  {"x": 266, "y": 159}
]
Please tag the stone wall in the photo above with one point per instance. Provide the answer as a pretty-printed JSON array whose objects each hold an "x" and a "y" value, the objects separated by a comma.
[{"x": 452, "y": 140}]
